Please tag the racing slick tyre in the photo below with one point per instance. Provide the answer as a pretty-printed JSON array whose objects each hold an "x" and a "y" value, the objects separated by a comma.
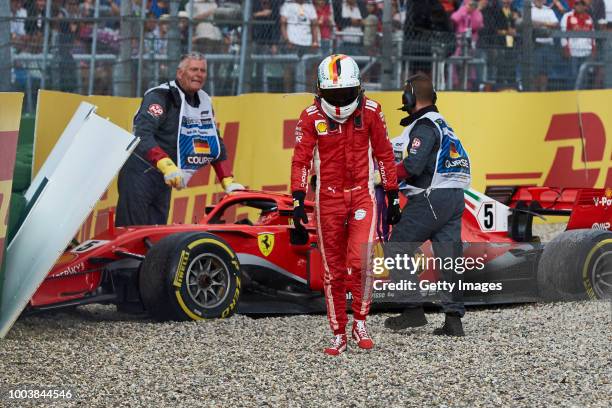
[
  {"x": 190, "y": 276},
  {"x": 577, "y": 265}
]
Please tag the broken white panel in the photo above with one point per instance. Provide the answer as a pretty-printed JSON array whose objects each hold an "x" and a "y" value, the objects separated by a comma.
[
  {"x": 65, "y": 140},
  {"x": 64, "y": 198}
]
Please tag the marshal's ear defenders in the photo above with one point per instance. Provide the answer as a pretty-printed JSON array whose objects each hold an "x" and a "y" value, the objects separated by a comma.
[{"x": 409, "y": 97}]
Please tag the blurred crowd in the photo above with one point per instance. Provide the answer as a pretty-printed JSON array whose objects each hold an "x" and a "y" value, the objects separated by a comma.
[{"x": 485, "y": 33}]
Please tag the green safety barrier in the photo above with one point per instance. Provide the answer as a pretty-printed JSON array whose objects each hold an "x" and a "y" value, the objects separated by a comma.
[{"x": 22, "y": 176}]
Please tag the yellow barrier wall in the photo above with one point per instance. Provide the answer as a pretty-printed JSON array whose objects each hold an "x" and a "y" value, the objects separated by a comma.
[{"x": 512, "y": 138}]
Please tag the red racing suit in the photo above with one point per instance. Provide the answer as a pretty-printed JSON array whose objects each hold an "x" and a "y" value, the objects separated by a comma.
[{"x": 344, "y": 156}]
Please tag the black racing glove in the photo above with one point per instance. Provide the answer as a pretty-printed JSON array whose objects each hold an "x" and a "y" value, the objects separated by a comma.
[
  {"x": 394, "y": 213},
  {"x": 299, "y": 211}
]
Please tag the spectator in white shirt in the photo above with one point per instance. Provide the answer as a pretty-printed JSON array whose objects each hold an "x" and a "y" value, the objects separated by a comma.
[
  {"x": 543, "y": 17},
  {"x": 207, "y": 37},
  {"x": 299, "y": 34},
  {"x": 18, "y": 14},
  {"x": 608, "y": 13},
  {"x": 299, "y": 26},
  {"x": 577, "y": 50},
  {"x": 351, "y": 35}
]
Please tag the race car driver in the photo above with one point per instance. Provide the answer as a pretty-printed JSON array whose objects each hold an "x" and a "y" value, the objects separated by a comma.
[
  {"x": 346, "y": 134},
  {"x": 433, "y": 170},
  {"x": 178, "y": 135}
]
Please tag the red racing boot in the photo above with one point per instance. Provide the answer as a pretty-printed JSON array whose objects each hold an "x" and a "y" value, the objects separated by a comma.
[
  {"x": 338, "y": 345},
  {"x": 361, "y": 336}
]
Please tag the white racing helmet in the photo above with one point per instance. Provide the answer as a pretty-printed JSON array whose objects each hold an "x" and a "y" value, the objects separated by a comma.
[{"x": 339, "y": 86}]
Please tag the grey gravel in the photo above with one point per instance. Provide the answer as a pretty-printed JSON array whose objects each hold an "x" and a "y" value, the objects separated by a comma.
[
  {"x": 534, "y": 355},
  {"x": 529, "y": 355}
]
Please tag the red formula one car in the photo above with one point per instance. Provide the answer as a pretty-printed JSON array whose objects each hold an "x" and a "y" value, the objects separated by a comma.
[{"x": 239, "y": 257}]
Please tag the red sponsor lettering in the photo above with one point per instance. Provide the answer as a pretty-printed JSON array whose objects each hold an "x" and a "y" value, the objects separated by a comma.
[
  {"x": 180, "y": 210},
  {"x": 506, "y": 176},
  {"x": 8, "y": 147},
  {"x": 86, "y": 228},
  {"x": 101, "y": 222},
  {"x": 281, "y": 188},
  {"x": 199, "y": 208},
  {"x": 200, "y": 178},
  {"x": 570, "y": 126},
  {"x": 230, "y": 138},
  {"x": 5, "y": 220},
  {"x": 217, "y": 197},
  {"x": 573, "y": 126},
  {"x": 289, "y": 133}
]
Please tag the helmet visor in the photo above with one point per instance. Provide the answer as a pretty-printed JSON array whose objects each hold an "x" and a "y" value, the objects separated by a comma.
[{"x": 340, "y": 96}]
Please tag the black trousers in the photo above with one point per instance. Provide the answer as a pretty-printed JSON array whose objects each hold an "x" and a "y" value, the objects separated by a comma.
[
  {"x": 436, "y": 218},
  {"x": 144, "y": 197}
]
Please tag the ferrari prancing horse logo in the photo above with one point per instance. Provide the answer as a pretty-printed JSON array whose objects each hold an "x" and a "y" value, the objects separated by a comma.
[{"x": 265, "y": 240}]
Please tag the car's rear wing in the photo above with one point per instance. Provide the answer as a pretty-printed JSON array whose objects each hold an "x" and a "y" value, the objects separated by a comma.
[{"x": 586, "y": 207}]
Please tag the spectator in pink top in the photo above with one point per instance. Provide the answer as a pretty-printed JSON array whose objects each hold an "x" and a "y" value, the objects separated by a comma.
[{"x": 468, "y": 21}]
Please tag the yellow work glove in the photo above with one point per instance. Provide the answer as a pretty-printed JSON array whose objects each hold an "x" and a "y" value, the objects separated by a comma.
[
  {"x": 228, "y": 185},
  {"x": 172, "y": 174}
]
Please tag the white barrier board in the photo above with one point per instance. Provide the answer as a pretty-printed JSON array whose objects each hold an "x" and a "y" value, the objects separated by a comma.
[
  {"x": 59, "y": 204},
  {"x": 64, "y": 142}
]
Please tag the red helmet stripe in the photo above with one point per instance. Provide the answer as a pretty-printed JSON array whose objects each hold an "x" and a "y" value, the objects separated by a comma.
[{"x": 334, "y": 67}]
